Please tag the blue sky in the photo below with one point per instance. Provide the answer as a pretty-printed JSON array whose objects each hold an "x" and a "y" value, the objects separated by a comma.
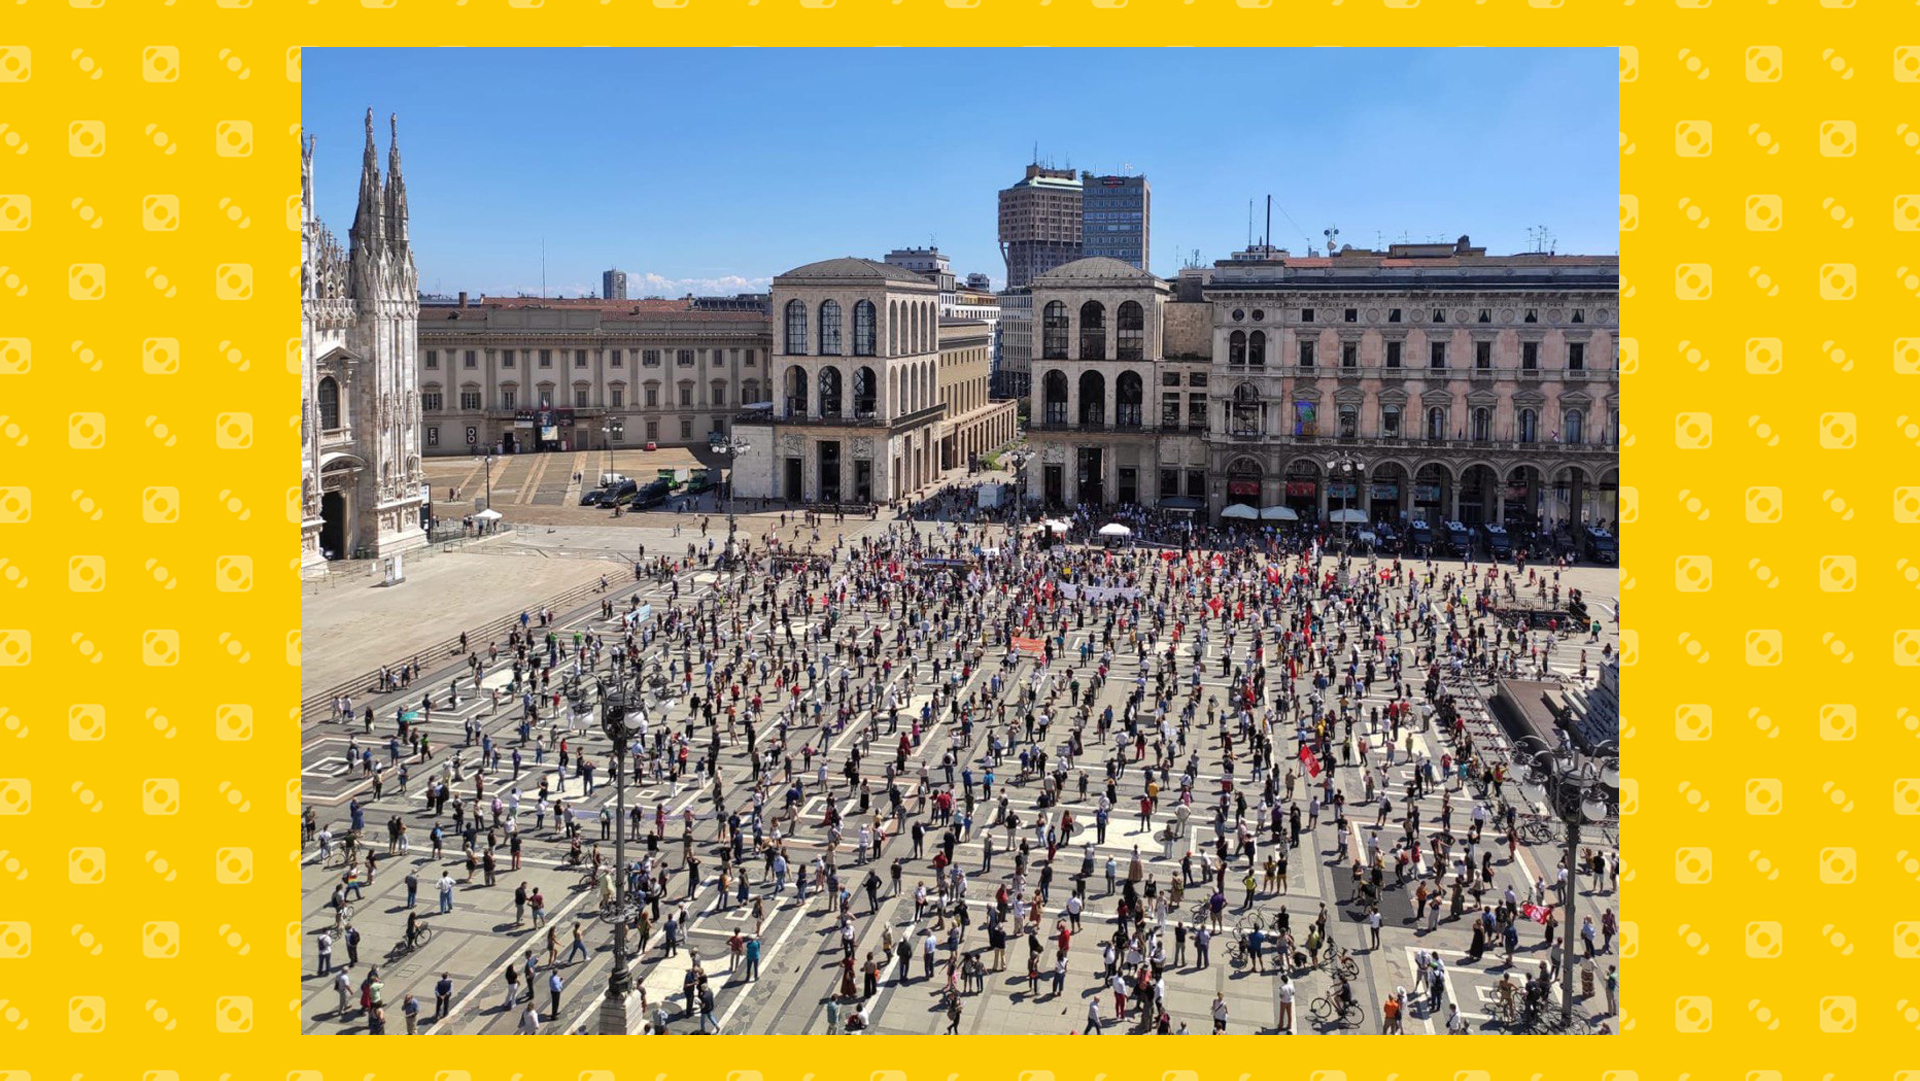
[{"x": 710, "y": 170}]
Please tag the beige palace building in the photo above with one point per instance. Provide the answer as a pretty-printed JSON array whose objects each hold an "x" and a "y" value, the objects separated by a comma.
[
  {"x": 873, "y": 393},
  {"x": 1428, "y": 382}
]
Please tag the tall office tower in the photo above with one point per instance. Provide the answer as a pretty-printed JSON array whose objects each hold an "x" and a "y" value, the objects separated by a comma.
[
  {"x": 1040, "y": 223},
  {"x": 613, "y": 285},
  {"x": 1116, "y": 215}
]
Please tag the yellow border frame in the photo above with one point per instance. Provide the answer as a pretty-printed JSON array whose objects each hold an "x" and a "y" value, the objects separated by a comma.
[{"x": 127, "y": 796}]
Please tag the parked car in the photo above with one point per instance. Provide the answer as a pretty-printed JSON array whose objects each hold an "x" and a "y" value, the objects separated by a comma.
[
  {"x": 1601, "y": 547},
  {"x": 1499, "y": 544},
  {"x": 654, "y": 494},
  {"x": 592, "y": 499},
  {"x": 651, "y": 445},
  {"x": 616, "y": 495}
]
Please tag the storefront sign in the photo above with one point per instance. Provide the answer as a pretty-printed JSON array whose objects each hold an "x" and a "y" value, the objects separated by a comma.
[
  {"x": 1301, "y": 487},
  {"x": 1342, "y": 489},
  {"x": 1385, "y": 491},
  {"x": 1428, "y": 494}
]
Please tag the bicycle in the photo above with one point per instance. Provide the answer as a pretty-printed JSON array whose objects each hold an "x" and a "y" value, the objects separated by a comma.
[
  {"x": 1324, "y": 1010},
  {"x": 1338, "y": 961},
  {"x": 422, "y": 935}
]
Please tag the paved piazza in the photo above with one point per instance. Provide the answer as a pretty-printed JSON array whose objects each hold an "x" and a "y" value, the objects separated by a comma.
[{"x": 832, "y": 655}]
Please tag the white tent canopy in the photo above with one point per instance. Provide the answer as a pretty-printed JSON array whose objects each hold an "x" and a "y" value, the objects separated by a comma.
[
  {"x": 1115, "y": 529},
  {"x": 489, "y": 515},
  {"x": 1347, "y": 514},
  {"x": 1240, "y": 510},
  {"x": 1054, "y": 525},
  {"x": 1279, "y": 514}
]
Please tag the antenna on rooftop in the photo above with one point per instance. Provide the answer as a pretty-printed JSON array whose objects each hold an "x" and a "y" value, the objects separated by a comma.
[{"x": 1330, "y": 233}]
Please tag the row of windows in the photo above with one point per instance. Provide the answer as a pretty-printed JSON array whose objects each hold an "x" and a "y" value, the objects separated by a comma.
[
  {"x": 910, "y": 329},
  {"x": 1129, "y": 331},
  {"x": 431, "y": 400},
  {"x": 616, "y": 358},
  {"x": 1251, "y": 349},
  {"x": 1352, "y": 315},
  {"x": 619, "y": 435}
]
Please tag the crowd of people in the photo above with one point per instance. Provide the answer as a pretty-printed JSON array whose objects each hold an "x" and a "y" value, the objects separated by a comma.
[{"x": 983, "y": 706}]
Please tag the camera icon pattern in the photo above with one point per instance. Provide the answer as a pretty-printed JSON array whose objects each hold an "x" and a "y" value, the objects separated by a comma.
[{"x": 1734, "y": 677}]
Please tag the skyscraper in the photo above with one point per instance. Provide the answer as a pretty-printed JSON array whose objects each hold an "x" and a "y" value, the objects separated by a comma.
[
  {"x": 613, "y": 285},
  {"x": 1116, "y": 212},
  {"x": 1040, "y": 223}
]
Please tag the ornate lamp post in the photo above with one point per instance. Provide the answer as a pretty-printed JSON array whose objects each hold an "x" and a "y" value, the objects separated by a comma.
[
  {"x": 1581, "y": 787},
  {"x": 1351, "y": 470},
  {"x": 614, "y": 1019}
]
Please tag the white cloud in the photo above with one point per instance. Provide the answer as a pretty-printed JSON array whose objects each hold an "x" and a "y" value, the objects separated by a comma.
[{"x": 650, "y": 285}]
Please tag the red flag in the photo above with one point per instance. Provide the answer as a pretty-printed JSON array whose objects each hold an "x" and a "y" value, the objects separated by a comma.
[
  {"x": 1536, "y": 913},
  {"x": 1311, "y": 763}
]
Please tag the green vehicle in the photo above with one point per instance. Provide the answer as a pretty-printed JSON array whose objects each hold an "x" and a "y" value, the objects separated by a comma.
[
  {"x": 674, "y": 478},
  {"x": 699, "y": 479}
]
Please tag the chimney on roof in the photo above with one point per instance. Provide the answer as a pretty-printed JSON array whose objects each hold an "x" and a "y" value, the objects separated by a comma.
[
  {"x": 1461, "y": 246},
  {"x": 463, "y": 298}
]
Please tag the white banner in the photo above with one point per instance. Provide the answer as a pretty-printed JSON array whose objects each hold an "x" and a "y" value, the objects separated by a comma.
[{"x": 1098, "y": 593}]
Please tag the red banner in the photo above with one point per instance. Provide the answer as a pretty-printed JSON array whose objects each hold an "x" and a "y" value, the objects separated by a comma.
[
  {"x": 1311, "y": 763},
  {"x": 1534, "y": 912},
  {"x": 1029, "y": 645}
]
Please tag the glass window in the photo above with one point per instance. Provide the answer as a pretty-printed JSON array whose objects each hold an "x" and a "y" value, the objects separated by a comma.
[
  {"x": 1349, "y": 354},
  {"x": 865, "y": 320},
  {"x": 1436, "y": 354},
  {"x": 1169, "y": 483},
  {"x": 1393, "y": 354},
  {"x": 546, "y": 358},
  {"x": 1352, "y": 315},
  {"x": 686, "y": 394},
  {"x": 1306, "y": 315},
  {"x": 1197, "y": 483},
  {"x": 1196, "y": 379},
  {"x": 580, "y": 397},
  {"x": 1576, "y": 356},
  {"x": 796, "y": 343},
  {"x": 1306, "y": 354},
  {"x": 1169, "y": 379},
  {"x": 579, "y": 358},
  {"x": 1349, "y": 421},
  {"x": 329, "y": 404},
  {"x": 1532, "y": 316},
  {"x": 1196, "y": 412},
  {"x": 1393, "y": 315},
  {"x": 829, "y": 328},
  {"x": 1130, "y": 332},
  {"x": 1483, "y": 356},
  {"x": 470, "y": 400},
  {"x": 686, "y": 428},
  {"x": 1257, "y": 348},
  {"x": 1390, "y": 421},
  {"x": 473, "y": 361},
  {"x": 433, "y": 358},
  {"x": 1053, "y": 331},
  {"x": 506, "y": 397},
  {"x": 653, "y": 430},
  {"x": 1486, "y": 315},
  {"x": 616, "y": 396},
  {"x": 650, "y": 358},
  {"x": 1529, "y": 356},
  {"x": 684, "y": 358},
  {"x": 619, "y": 358},
  {"x": 1170, "y": 411},
  {"x": 430, "y": 401},
  {"x": 653, "y": 395}
]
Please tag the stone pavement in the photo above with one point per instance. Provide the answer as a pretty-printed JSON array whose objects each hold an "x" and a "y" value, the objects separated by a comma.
[{"x": 799, "y": 970}]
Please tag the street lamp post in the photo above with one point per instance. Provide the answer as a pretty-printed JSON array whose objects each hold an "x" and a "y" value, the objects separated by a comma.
[
  {"x": 1582, "y": 786},
  {"x": 732, "y": 448},
  {"x": 614, "y": 1018},
  {"x": 1352, "y": 469},
  {"x": 489, "y": 478}
]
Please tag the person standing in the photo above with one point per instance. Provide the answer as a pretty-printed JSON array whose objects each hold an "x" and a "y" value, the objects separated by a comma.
[
  {"x": 1093, "y": 1017},
  {"x": 1219, "y": 1012},
  {"x": 554, "y": 985},
  {"x": 443, "y": 996},
  {"x": 1285, "y": 993}
]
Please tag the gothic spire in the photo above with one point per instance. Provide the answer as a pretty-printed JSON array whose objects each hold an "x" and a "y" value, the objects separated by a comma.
[
  {"x": 369, "y": 220},
  {"x": 396, "y": 188}
]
